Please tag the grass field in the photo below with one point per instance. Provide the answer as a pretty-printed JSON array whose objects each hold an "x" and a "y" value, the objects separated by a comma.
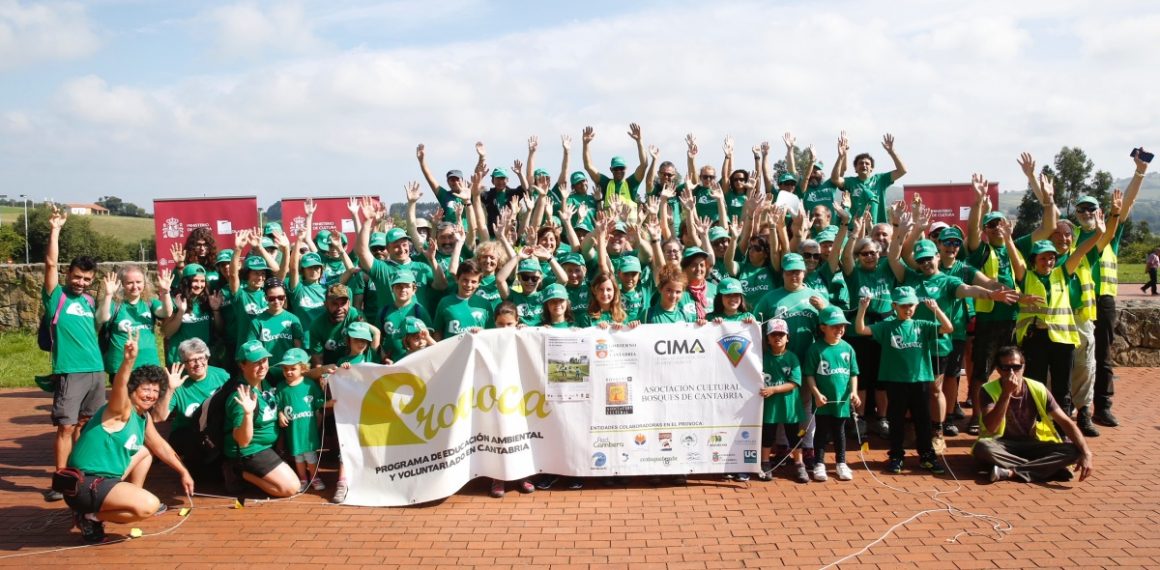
[
  {"x": 128, "y": 230},
  {"x": 1132, "y": 273},
  {"x": 20, "y": 360}
]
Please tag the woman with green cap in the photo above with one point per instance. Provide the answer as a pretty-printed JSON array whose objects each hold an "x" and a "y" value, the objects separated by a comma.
[
  {"x": 251, "y": 416},
  {"x": 276, "y": 328},
  {"x": 557, "y": 310},
  {"x": 196, "y": 313},
  {"x": 699, "y": 294},
  {"x": 124, "y": 308}
]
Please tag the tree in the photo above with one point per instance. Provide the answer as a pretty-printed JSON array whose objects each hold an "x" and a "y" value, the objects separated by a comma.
[
  {"x": 1072, "y": 170},
  {"x": 780, "y": 167},
  {"x": 274, "y": 212},
  {"x": 76, "y": 238},
  {"x": 1028, "y": 216},
  {"x": 11, "y": 244}
]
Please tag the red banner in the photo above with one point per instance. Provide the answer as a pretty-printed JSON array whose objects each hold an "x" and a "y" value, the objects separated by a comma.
[
  {"x": 175, "y": 218},
  {"x": 330, "y": 214},
  {"x": 950, "y": 203}
]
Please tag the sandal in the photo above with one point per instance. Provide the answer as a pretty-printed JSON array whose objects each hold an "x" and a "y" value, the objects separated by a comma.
[{"x": 973, "y": 429}]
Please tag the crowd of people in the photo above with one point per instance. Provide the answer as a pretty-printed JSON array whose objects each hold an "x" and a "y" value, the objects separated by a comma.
[{"x": 870, "y": 313}]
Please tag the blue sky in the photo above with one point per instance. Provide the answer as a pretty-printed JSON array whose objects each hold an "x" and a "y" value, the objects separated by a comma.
[{"x": 144, "y": 99}]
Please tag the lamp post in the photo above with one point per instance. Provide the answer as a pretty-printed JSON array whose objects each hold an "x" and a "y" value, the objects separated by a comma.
[
  {"x": 24, "y": 197},
  {"x": 4, "y": 196}
]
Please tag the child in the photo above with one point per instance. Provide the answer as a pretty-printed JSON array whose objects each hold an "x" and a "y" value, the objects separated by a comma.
[
  {"x": 671, "y": 282},
  {"x": 463, "y": 311},
  {"x": 507, "y": 315},
  {"x": 729, "y": 304},
  {"x": 300, "y": 402},
  {"x": 415, "y": 335},
  {"x": 529, "y": 298},
  {"x": 908, "y": 345},
  {"x": 783, "y": 403},
  {"x": 405, "y": 305},
  {"x": 360, "y": 337},
  {"x": 556, "y": 312},
  {"x": 831, "y": 373},
  {"x": 605, "y": 307},
  {"x": 635, "y": 292}
]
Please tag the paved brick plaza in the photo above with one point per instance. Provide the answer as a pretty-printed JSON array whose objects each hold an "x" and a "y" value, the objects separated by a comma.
[{"x": 1110, "y": 520}]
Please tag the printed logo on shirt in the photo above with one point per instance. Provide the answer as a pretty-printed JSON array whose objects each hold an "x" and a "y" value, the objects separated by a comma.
[
  {"x": 79, "y": 309},
  {"x": 825, "y": 370},
  {"x": 897, "y": 342},
  {"x": 132, "y": 444}
]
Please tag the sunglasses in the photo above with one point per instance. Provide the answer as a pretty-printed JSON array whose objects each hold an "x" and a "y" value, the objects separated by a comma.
[
  {"x": 378, "y": 249},
  {"x": 737, "y": 179},
  {"x": 993, "y": 225},
  {"x": 868, "y": 252},
  {"x": 707, "y": 177},
  {"x": 1009, "y": 367},
  {"x": 272, "y": 298},
  {"x": 1086, "y": 209},
  {"x": 338, "y": 302},
  {"x": 952, "y": 243},
  {"x": 529, "y": 277},
  {"x": 811, "y": 256}
]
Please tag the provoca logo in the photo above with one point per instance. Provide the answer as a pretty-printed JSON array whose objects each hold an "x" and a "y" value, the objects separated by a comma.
[{"x": 734, "y": 347}]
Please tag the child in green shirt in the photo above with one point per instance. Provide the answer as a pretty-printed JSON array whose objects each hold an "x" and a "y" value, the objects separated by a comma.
[
  {"x": 783, "y": 403},
  {"x": 729, "y": 304},
  {"x": 557, "y": 310},
  {"x": 831, "y": 373},
  {"x": 416, "y": 335},
  {"x": 360, "y": 338},
  {"x": 300, "y": 403}
]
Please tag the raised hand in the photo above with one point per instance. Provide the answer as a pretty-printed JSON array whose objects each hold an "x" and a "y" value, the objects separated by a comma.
[
  {"x": 518, "y": 165},
  {"x": 352, "y": 207},
  {"x": 1046, "y": 184},
  {"x": 1027, "y": 164},
  {"x": 566, "y": 142},
  {"x": 668, "y": 190},
  {"x": 764, "y": 148},
  {"x": 888, "y": 142},
  {"x": 634, "y": 131},
  {"x": 727, "y": 146},
  {"x": 413, "y": 192},
  {"x": 715, "y": 190},
  {"x": 533, "y": 143},
  {"x": 582, "y": 211},
  {"x": 1117, "y": 200},
  {"x": 691, "y": 142},
  {"x": 176, "y": 376},
  {"x": 131, "y": 348},
  {"x": 654, "y": 151},
  {"x": 756, "y": 151},
  {"x": 788, "y": 139},
  {"x": 480, "y": 149},
  {"x": 843, "y": 144},
  {"x": 246, "y": 398},
  {"x": 421, "y": 152},
  {"x": 57, "y": 218},
  {"x": 588, "y": 134},
  {"x": 112, "y": 284},
  {"x": 652, "y": 205},
  {"x": 979, "y": 183},
  {"x": 179, "y": 304},
  {"x": 164, "y": 279}
]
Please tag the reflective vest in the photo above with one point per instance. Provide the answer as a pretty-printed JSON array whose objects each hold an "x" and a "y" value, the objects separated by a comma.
[
  {"x": 1109, "y": 266},
  {"x": 1056, "y": 314},
  {"x": 1086, "y": 310},
  {"x": 614, "y": 193},
  {"x": 1044, "y": 428},
  {"x": 990, "y": 269}
]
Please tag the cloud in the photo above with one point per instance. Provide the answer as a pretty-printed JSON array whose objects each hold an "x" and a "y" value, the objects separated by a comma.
[
  {"x": 91, "y": 99},
  {"x": 248, "y": 29},
  {"x": 31, "y": 34}
]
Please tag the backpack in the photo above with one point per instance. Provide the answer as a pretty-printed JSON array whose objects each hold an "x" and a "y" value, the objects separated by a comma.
[
  {"x": 45, "y": 336},
  {"x": 212, "y": 421}
]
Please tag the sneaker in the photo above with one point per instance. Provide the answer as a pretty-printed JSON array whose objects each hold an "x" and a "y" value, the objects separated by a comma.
[
  {"x": 894, "y": 466},
  {"x": 844, "y": 472},
  {"x": 339, "y": 492},
  {"x": 973, "y": 428},
  {"x": 819, "y": 472},
  {"x": 1104, "y": 417},
  {"x": 767, "y": 466},
  {"x": 575, "y": 484},
  {"x": 882, "y": 427},
  {"x": 161, "y": 510},
  {"x": 52, "y": 496},
  {"x": 957, "y": 413},
  {"x": 950, "y": 430},
  {"x": 933, "y": 465},
  {"x": 318, "y": 485},
  {"x": 765, "y": 475},
  {"x": 727, "y": 476},
  {"x": 802, "y": 475},
  {"x": 302, "y": 485},
  {"x": 741, "y": 477},
  {"x": 1083, "y": 420},
  {"x": 969, "y": 403},
  {"x": 545, "y": 482},
  {"x": 526, "y": 487},
  {"x": 496, "y": 489},
  {"x": 91, "y": 530},
  {"x": 1000, "y": 474}
]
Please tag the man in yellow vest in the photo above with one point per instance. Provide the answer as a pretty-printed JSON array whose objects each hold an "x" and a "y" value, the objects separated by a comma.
[
  {"x": 1103, "y": 264},
  {"x": 619, "y": 189},
  {"x": 1018, "y": 438}
]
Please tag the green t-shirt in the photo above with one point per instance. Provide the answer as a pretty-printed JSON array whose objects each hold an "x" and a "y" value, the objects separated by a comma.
[
  {"x": 196, "y": 322},
  {"x": 98, "y": 452},
  {"x": 529, "y": 307},
  {"x": 329, "y": 338},
  {"x": 488, "y": 291},
  {"x": 185, "y": 404},
  {"x": 309, "y": 301},
  {"x": 383, "y": 272},
  {"x": 455, "y": 315},
  {"x": 832, "y": 366},
  {"x": 246, "y": 305},
  {"x": 735, "y": 204},
  {"x": 332, "y": 270},
  {"x": 869, "y": 191},
  {"x": 756, "y": 281},
  {"x": 302, "y": 405},
  {"x": 942, "y": 288},
  {"x": 962, "y": 309},
  {"x": 74, "y": 346},
  {"x": 584, "y": 320},
  {"x": 799, "y": 314},
  {"x": 132, "y": 317},
  {"x": 364, "y": 357},
  {"x": 278, "y": 333},
  {"x": 876, "y": 284},
  {"x": 734, "y": 318},
  {"x": 575, "y": 200},
  {"x": 820, "y": 195},
  {"x": 265, "y": 419},
  {"x": 392, "y": 340},
  {"x": 978, "y": 258},
  {"x": 785, "y": 408},
  {"x": 706, "y": 204},
  {"x": 907, "y": 349},
  {"x": 674, "y": 204},
  {"x": 689, "y": 305},
  {"x": 637, "y": 301},
  {"x": 657, "y": 315},
  {"x": 447, "y": 201}
]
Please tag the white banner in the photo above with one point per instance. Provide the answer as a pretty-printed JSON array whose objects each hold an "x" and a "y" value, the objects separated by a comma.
[{"x": 510, "y": 403}]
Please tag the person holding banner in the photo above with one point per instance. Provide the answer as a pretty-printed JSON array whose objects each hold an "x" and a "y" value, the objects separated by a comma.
[
  {"x": 251, "y": 416},
  {"x": 671, "y": 284}
]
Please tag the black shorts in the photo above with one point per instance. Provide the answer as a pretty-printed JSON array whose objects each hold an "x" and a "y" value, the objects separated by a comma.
[
  {"x": 258, "y": 464},
  {"x": 92, "y": 494},
  {"x": 951, "y": 365}
]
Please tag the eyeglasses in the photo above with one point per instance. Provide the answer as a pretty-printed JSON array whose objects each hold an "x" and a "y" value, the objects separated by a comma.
[
  {"x": 952, "y": 243},
  {"x": 1010, "y": 367},
  {"x": 272, "y": 298},
  {"x": 707, "y": 177},
  {"x": 868, "y": 252},
  {"x": 811, "y": 256},
  {"x": 529, "y": 277},
  {"x": 196, "y": 360},
  {"x": 993, "y": 225},
  {"x": 378, "y": 249},
  {"x": 338, "y": 302},
  {"x": 1085, "y": 209}
]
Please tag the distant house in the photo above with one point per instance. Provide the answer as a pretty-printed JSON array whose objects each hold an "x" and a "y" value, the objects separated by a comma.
[{"x": 87, "y": 210}]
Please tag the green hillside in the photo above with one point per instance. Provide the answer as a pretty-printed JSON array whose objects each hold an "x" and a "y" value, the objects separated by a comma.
[{"x": 128, "y": 230}]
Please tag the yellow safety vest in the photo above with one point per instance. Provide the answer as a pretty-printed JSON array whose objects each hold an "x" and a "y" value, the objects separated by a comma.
[
  {"x": 1056, "y": 314},
  {"x": 990, "y": 269},
  {"x": 1109, "y": 266},
  {"x": 621, "y": 193},
  {"x": 1086, "y": 311},
  {"x": 1044, "y": 429}
]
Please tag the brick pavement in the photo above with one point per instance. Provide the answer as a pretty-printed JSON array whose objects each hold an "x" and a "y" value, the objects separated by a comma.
[{"x": 1110, "y": 520}]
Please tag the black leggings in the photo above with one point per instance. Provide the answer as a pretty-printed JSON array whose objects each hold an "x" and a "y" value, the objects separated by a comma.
[
  {"x": 830, "y": 428},
  {"x": 913, "y": 397},
  {"x": 769, "y": 434}
]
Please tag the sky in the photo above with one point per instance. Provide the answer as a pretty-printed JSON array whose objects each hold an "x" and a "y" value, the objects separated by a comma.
[{"x": 150, "y": 99}]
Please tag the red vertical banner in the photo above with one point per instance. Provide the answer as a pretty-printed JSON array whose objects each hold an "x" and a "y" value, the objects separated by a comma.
[
  {"x": 175, "y": 218},
  {"x": 950, "y": 203},
  {"x": 330, "y": 214}
]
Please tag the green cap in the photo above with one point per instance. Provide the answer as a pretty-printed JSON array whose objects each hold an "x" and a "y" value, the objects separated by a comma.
[
  {"x": 578, "y": 177},
  {"x": 828, "y": 234},
  {"x": 904, "y": 296},
  {"x": 529, "y": 266},
  {"x": 555, "y": 291},
  {"x": 832, "y": 315},
  {"x": 191, "y": 270},
  {"x": 360, "y": 330},
  {"x": 717, "y": 232},
  {"x": 563, "y": 248},
  {"x": 786, "y": 177},
  {"x": 267, "y": 243},
  {"x": 793, "y": 262},
  {"x": 691, "y": 252},
  {"x": 820, "y": 165},
  {"x": 630, "y": 264},
  {"x": 540, "y": 172},
  {"x": 990, "y": 217},
  {"x": 924, "y": 249},
  {"x": 1043, "y": 246},
  {"x": 1088, "y": 199},
  {"x": 570, "y": 258},
  {"x": 618, "y": 162},
  {"x": 396, "y": 234},
  {"x": 412, "y": 325},
  {"x": 584, "y": 225},
  {"x": 729, "y": 286},
  {"x": 271, "y": 227},
  {"x": 378, "y": 239},
  {"x": 950, "y": 232},
  {"x": 403, "y": 277},
  {"x": 294, "y": 356},
  {"x": 311, "y": 259},
  {"x": 252, "y": 351},
  {"x": 256, "y": 263},
  {"x": 498, "y": 173},
  {"x": 322, "y": 240},
  {"x": 225, "y": 256},
  {"x": 620, "y": 227}
]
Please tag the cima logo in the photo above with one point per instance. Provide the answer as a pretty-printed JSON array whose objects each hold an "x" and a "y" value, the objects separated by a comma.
[{"x": 734, "y": 347}]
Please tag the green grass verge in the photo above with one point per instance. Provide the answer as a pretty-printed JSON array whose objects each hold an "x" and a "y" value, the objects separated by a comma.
[
  {"x": 125, "y": 229},
  {"x": 20, "y": 360},
  {"x": 1132, "y": 273}
]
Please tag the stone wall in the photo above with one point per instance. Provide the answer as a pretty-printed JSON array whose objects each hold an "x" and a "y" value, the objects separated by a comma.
[
  {"x": 20, "y": 287},
  {"x": 1137, "y": 341}
]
